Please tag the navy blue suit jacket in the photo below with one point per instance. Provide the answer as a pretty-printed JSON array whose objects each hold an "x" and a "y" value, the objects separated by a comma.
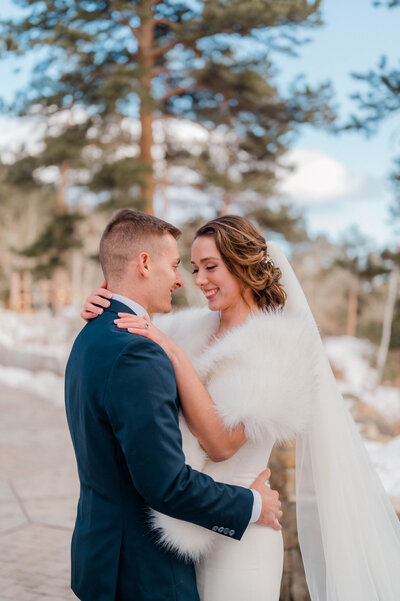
[{"x": 122, "y": 410}]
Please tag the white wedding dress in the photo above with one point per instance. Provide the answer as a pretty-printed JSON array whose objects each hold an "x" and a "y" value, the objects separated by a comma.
[{"x": 249, "y": 569}]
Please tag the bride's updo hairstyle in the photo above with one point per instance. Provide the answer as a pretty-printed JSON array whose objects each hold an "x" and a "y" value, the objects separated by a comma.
[{"x": 244, "y": 252}]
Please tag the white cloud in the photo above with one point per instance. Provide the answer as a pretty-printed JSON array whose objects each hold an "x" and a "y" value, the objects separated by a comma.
[
  {"x": 318, "y": 178},
  {"x": 18, "y": 132},
  {"x": 28, "y": 132}
]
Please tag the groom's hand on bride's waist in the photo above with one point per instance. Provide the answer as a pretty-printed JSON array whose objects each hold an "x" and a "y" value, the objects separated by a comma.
[{"x": 271, "y": 505}]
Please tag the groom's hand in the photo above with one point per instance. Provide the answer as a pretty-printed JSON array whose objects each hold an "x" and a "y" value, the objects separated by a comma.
[{"x": 271, "y": 505}]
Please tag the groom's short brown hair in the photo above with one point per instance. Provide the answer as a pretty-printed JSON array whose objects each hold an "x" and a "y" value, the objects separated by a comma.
[{"x": 128, "y": 233}]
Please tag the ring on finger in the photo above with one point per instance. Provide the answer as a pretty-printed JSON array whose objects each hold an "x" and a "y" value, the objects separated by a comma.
[{"x": 146, "y": 325}]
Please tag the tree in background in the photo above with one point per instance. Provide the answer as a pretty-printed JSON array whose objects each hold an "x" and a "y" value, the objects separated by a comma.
[
  {"x": 391, "y": 267},
  {"x": 353, "y": 257},
  {"x": 230, "y": 178},
  {"x": 24, "y": 205},
  {"x": 206, "y": 61},
  {"x": 380, "y": 101}
]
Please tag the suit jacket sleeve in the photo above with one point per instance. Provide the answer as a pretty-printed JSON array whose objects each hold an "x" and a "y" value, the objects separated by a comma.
[{"x": 141, "y": 402}]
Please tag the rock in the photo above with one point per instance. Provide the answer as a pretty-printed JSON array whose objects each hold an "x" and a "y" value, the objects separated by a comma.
[
  {"x": 285, "y": 587},
  {"x": 283, "y": 478},
  {"x": 374, "y": 425},
  {"x": 299, "y": 589},
  {"x": 396, "y": 505},
  {"x": 287, "y": 456}
]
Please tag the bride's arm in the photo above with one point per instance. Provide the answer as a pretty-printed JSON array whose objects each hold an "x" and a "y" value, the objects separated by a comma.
[
  {"x": 199, "y": 410},
  {"x": 200, "y": 413}
]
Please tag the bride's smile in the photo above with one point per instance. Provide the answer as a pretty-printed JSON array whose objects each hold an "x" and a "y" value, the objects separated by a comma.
[{"x": 223, "y": 290}]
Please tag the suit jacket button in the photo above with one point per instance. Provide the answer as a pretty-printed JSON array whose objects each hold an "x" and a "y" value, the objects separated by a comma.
[
  {"x": 215, "y": 528},
  {"x": 226, "y": 530},
  {"x": 231, "y": 532},
  {"x": 221, "y": 529}
]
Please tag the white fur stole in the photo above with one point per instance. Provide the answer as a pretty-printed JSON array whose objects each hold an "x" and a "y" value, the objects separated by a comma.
[{"x": 261, "y": 374}]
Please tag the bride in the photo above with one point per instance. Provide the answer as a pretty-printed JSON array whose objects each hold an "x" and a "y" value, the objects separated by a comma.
[{"x": 254, "y": 367}]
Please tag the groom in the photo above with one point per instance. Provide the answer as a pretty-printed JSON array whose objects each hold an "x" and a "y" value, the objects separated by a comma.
[{"x": 122, "y": 409}]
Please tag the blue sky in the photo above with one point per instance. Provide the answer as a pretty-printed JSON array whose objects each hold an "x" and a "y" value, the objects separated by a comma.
[
  {"x": 353, "y": 39},
  {"x": 349, "y": 183}
]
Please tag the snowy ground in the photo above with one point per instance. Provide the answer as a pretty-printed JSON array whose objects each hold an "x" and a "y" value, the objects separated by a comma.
[
  {"x": 386, "y": 459},
  {"x": 351, "y": 356},
  {"x": 34, "y": 349}
]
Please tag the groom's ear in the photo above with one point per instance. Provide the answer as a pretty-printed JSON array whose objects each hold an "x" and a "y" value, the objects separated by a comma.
[{"x": 144, "y": 264}]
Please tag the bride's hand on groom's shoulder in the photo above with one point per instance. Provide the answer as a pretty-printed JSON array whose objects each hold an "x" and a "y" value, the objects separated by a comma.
[
  {"x": 94, "y": 303},
  {"x": 143, "y": 327}
]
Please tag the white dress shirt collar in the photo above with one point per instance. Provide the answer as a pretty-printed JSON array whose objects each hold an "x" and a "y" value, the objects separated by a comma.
[{"x": 138, "y": 309}]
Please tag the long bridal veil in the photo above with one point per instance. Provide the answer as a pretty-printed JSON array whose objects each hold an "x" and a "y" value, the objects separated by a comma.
[{"x": 348, "y": 531}]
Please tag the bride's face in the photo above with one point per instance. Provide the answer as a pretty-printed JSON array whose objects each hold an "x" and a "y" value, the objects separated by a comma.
[{"x": 220, "y": 287}]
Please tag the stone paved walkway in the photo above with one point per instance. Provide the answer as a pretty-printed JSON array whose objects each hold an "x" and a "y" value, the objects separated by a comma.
[{"x": 38, "y": 495}]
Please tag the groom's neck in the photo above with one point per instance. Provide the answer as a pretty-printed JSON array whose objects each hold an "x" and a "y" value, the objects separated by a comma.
[{"x": 133, "y": 295}]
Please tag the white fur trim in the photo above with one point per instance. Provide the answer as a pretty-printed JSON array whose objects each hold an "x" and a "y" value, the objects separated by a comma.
[
  {"x": 192, "y": 329},
  {"x": 189, "y": 541},
  {"x": 263, "y": 374}
]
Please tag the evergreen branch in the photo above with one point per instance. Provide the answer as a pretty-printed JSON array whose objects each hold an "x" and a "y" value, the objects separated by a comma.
[
  {"x": 134, "y": 30},
  {"x": 177, "y": 92},
  {"x": 161, "y": 71},
  {"x": 164, "y": 49},
  {"x": 165, "y": 21}
]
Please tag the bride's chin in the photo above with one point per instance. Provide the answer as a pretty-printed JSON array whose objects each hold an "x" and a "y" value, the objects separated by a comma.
[{"x": 213, "y": 307}]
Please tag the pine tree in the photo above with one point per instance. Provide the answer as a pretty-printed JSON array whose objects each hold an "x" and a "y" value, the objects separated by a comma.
[
  {"x": 354, "y": 258},
  {"x": 206, "y": 61},
  {"x": 23, "y": 205},
  {"x": 379, "y": 102},
  {"x": 391, "y": 267}
]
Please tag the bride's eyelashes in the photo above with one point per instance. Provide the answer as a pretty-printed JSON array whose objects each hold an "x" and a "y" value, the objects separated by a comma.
[{"x": 209, "y": 268}]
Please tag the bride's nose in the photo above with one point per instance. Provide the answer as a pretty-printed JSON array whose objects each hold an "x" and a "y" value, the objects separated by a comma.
[{"x": 201, "y": 278}]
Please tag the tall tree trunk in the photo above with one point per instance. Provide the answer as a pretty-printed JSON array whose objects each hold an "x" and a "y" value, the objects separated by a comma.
[
  {"x": 33, "y": 219},
  {"x": 76, "y": 277},
  {"x": 62, "y": 187},
  {"x": 226, "y": 204},
  {"x": 146, "y": 59},
  {"x": 15, "y": 302},
  {"x": 164, "y": 193},
  {"x": 27, "y": 292},
  {"x": 352, "y": 309},
  {"x": 60, "y": 289},
  {"x": 91, "y": 276},
  {"x": 387, "y": 324}
]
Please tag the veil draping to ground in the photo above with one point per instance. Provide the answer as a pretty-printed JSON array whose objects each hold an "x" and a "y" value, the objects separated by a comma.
[{"x": 348, "y": 531}]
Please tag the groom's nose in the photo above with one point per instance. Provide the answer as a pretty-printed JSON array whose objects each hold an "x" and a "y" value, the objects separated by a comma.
[{"x": 179, "y": 281}]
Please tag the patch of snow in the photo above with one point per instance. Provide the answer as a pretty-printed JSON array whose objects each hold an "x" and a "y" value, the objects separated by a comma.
[
  {"x": 40, "y": 333},
  {"x": 386, "y": 459},
  {"x": 352, "y": 357},
  {"x": 44, "y": 384}
]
